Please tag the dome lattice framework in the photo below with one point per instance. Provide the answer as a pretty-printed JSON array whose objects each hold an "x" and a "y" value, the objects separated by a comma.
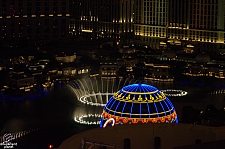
[{"x": 139, "y": 103}]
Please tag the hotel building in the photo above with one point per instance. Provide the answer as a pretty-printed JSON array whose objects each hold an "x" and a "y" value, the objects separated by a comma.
[
  {"x": 198, "y": 24},
  {"x": 34, "y": 20},
  {"x": 150, "y": 22},
  {"x": 101, "y": 18}
]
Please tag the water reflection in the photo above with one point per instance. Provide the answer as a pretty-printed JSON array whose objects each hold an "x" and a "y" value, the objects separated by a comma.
[{"x": 61, "y": 105}]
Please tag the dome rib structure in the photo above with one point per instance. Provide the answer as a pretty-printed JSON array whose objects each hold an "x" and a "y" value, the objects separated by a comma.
[{"x": 139, "y": 103}]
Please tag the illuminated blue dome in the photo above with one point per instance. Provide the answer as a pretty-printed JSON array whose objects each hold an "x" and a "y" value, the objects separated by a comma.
[{"x": 138, "y": 103}]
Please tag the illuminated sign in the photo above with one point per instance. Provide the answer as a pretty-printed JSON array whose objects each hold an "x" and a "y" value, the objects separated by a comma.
[{"x": 108, "y": 122}]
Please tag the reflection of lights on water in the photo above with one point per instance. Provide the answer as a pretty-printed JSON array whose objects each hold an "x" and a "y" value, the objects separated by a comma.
[
  {"x": 174, "y": 92},
  {"x": 41, "y": 92},
  {"x": 221, "y": 91},
  {"x": 88, "y": 119},
  {"x": 94, "y": 102}
]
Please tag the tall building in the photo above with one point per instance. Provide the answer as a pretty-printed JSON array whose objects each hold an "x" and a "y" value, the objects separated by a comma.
[
  {"x": 34, "y": 20},
  {"x": 178, "y": 13},
  {"x": 208, "y": 20},
  {"x": 193, "y": 24},
  {"x": 150, "y": 22},
  {"x": 101, "y": 18},
  {"x": 196, "y": 22}
]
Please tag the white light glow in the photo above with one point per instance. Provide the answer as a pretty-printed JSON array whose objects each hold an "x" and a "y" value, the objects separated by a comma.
[
  {"x": 12, "y": 136},
  {"x": 109, "y": 121},
  {"x": 88, "y": 31},
  {"x": 174, "y": 92},
  {"x": 86, "y": 119},
  {"x": 84, "y": 100}
]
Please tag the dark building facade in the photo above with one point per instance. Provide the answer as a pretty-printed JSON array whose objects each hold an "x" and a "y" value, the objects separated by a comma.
[
  {"x": 196, "y": 22},
  {"x": 153, "y": 23},
  {"x": 101, "y": 18},
  {"x": 178, "y": 13},
  {"x": 34, "y": 20}
]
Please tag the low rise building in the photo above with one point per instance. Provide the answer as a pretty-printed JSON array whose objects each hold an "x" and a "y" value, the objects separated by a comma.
[
  {"x": 158, "y": 72},
  {"x": 70, "y": 71},
  {"x": 65, "y": 58},
  {"x": 19, "y": 82}
]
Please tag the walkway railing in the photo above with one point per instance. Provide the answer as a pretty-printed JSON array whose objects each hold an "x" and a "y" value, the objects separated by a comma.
[{"x": 84, "y": 142}]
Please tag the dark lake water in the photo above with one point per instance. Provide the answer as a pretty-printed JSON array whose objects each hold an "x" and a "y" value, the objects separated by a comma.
[{"x": 51, "y": 117}]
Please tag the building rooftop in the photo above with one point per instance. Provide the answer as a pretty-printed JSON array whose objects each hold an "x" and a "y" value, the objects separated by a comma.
[{"x": 142, "y": 136}]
